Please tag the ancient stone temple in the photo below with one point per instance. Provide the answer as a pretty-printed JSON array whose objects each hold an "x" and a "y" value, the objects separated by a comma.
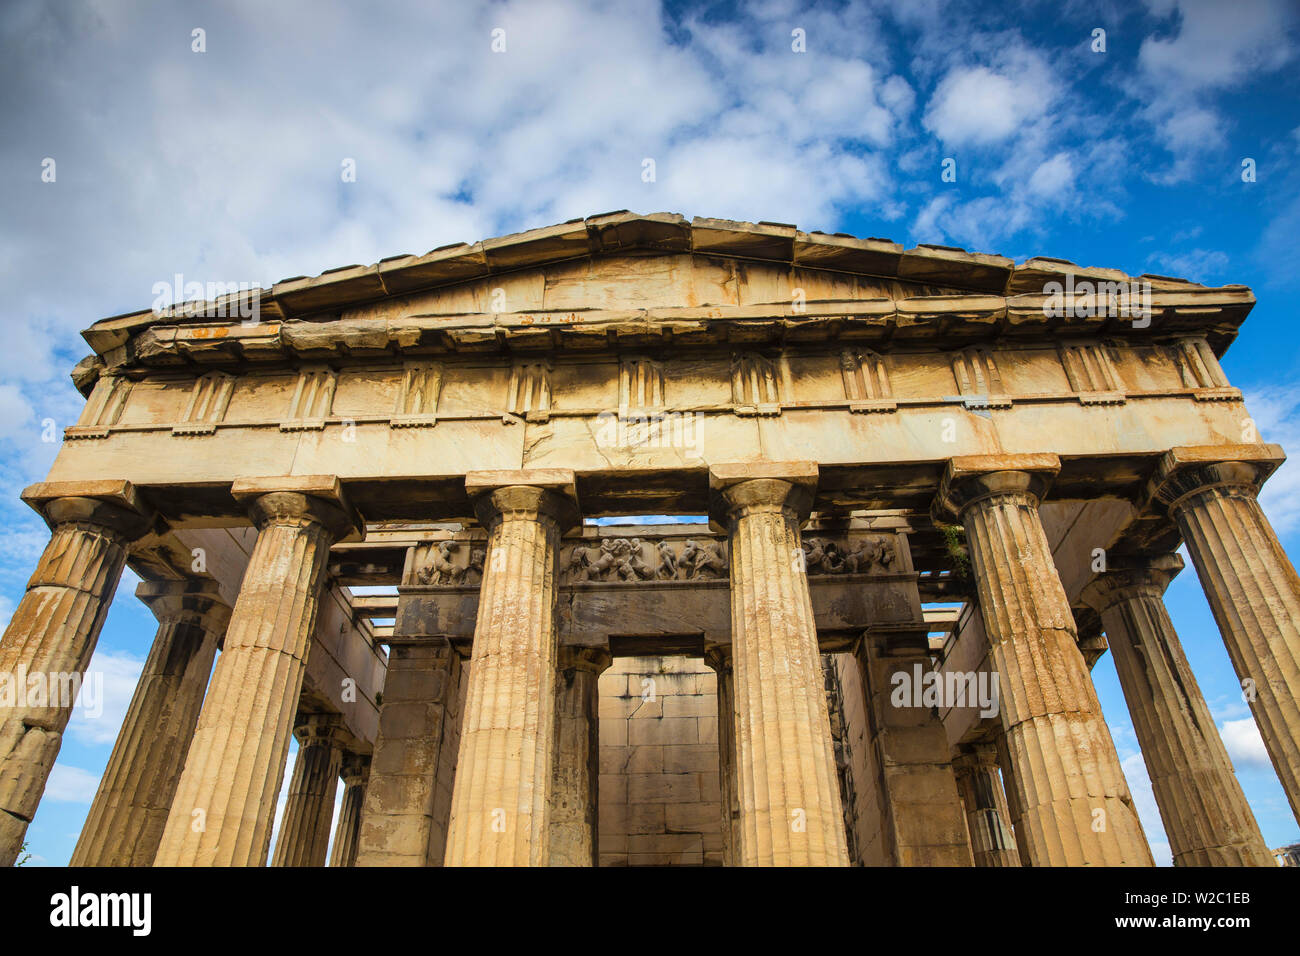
[{"x": 911, "y": 496}]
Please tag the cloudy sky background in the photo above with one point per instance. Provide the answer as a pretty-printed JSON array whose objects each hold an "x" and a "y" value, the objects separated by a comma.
[{"x": 225, "y": 166}]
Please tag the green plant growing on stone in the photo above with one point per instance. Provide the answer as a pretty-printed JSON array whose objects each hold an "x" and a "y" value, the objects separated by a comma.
[
  {"x": 954, "y": 539},
  {"x": 23, "y": 855}
]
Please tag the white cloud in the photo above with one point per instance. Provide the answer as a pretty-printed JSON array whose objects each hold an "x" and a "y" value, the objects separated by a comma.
[
  {"x": 1217, "y": 44},
  {"x": 979, "y": 105},
  {"x": 1210, "y": 46},
  {"x": 113, "y": 677},
  {"x": 898, "y": 97},
  {"x": 1031, "y": 153},
  {"x": 1198, "y": 265},
  {"x": 71, "y": 785},
  {"x": 20, "y": 548},
  {"x": 16, "y": 414},
  {"x": 1190, "y": 128},
  {"x": 226, "y": 165},
  {"x": 1275, "y": 410},
  {"x": 1053, "y": 177},
  {"x": 1245, "y": 745},
  {"x": 975, "y": 223}
]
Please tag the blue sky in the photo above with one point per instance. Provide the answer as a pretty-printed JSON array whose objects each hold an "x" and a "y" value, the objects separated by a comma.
[{"x": 225, "y": 165}]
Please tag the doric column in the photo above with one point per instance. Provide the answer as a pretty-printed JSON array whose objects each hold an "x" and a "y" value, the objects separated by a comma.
[
  {"x": 577, "y": 756},
  {"x": 309, "y": 806},
  {"x": 987, "y": 817},
  {"x": 922, "y": 822},
  {"x": 355, "y": 772},
  {"x": 126, "y": 820},
  {"x": 52, "y": 634},
  {"x": 224, "y": 806},
  {"x": 719, "y": 658},
  {"x": 790, "y": 810},
  {"x": 408, "y": 799},
  {"x": 1206, "y": 815},
  {"x": 1250, "y": 583},
  {"x": 1073, "y": 802},
  {"x": 500, "y": 811}
]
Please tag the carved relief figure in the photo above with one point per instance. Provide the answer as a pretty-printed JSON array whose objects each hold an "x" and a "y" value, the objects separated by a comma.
[
  {"x": 820, "y": 556},
  {"x": 440, "y": 569},
  {"x": 630, "y": 566},
  {"x": 474, "y": 572},
  {"x": 625, "y": 559},
  {"x": 705, "y": 561},
  {"x": 579, "y": 566},
  {"x": 606, "y": 561},
  {"x": 666, "y": 567},
  {"x": 857, "y": 559},
  {"x": 827, "y": 557}
]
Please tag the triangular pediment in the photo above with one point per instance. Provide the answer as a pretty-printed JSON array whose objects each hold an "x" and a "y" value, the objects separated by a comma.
[{"x": 624, "y": 275}]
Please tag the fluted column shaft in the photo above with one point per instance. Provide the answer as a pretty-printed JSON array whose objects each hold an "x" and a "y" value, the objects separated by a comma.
[
  {"x": 574, "y": 837},
  {"x": 355, "y": 773},
  {"x": 788, "y": 788},
  {"x": 1074, "y": 804},
  {"x": 1205, "y": 813},
  {"x": 309, "y": 806},
  {"x": 1253, "y": 591},
  {"x": 127, "y": 817},
  {"x": 500, "y": 810},
  {"x": 223, "y": 811},
  {"x": 719, "y": 658},
  {"x": 47, "y": 645},
  {"x": 987, "y": 816}
]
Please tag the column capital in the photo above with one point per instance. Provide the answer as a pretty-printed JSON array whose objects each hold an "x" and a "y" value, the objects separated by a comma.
[
  {"x": 971, "y": 478},
  {"x": 318, "y": 498},
  {"x": 1190, "y": 469},
  {"x": 718, "y": 657},
  {"x": 109, "y": 503},
  {"x": 1128, "y": 577},
  {"x": 196, "y": 600},
  {"x": 594, "y": 659},
  {"x": 980, "y": 755},
  {"x": 355, "y": 769},
  {"x": 740, "y": 488},
  {"x": 318, "y": 729},
  {"x": 527, "y": 492}
]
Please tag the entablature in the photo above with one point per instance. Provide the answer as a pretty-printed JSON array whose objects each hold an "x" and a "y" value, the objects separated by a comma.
[{"x": 656, "y": 387}]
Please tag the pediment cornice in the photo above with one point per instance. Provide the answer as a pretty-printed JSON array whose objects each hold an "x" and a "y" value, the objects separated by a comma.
[{"x": 984, "y": 297}]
